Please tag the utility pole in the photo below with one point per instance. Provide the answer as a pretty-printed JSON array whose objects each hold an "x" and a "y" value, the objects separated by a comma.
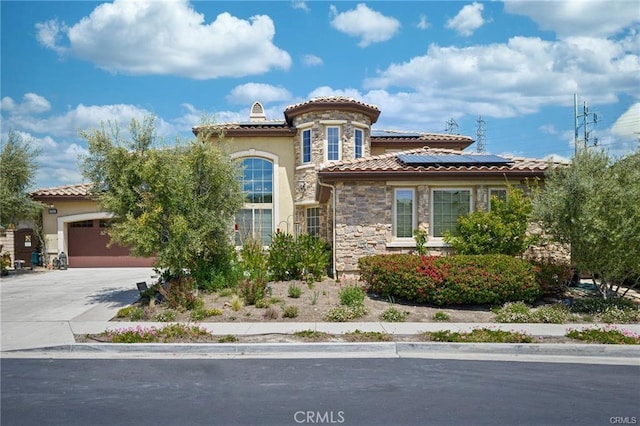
[
  {"x": 480, "y": 133},
  {"x": 452, "y": 127},
  {"x": 585, "y": 124}
]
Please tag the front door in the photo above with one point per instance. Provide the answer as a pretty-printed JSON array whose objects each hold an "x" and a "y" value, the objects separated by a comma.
[{"x": 25, "y": 242}]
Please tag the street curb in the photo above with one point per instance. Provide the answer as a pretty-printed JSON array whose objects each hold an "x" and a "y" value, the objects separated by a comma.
[{"x": 384, "y": 349}]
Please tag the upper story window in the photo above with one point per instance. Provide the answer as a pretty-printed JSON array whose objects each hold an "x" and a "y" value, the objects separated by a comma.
[
  {"x": 404, "y": 215},
  {"x": 255, "y": 220},
  {"x": 358, "y": 140},
  {"x": 333, "y": 143},
  {"x": 447, "y": 206},
  {"x": 306, "y": 146}
]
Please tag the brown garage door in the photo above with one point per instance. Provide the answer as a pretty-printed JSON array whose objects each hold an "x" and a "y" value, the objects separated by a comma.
[{"x": 88, "y": 248}]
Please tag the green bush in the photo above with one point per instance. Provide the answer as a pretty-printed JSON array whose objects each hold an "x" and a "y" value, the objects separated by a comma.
[
  {"x": 478, "y": 335},
  {"x": 202, "y": 313},
  {"x": 179, "y": 293},
  {"x": 290, "y": 312},
  {"x": 253, "y": 260},
  {"x": 441, "y": 316},
  {"x": 551, "y": 314},
  {"x": 606, "y": 335},
  {"x": 253, "y": 289},
  {"x": 352, "y": 295},
  {"x": 220, "y": 271},
  {"x": 552, "y": 277},
  {"x": 516, "y": 312},
  {"x": 166, "y": 316},
  {"x": 598, "y": 305},
  {"x": 304, "y": 258},
  {"x": 450, "y": 280},
  {"x": 502, "y": 230}
]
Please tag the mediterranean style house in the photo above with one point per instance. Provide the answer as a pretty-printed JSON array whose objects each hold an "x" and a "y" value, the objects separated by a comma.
[{"x": 322, "y": 169}]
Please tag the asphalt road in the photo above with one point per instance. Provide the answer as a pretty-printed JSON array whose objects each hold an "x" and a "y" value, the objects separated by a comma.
[{"x": 315, "y": 391}]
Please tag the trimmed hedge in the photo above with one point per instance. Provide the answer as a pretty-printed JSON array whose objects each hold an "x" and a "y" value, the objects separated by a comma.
[{"x": 450, "y": 280}]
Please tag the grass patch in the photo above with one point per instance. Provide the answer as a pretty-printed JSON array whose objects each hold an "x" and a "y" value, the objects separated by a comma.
[
  {"x": 478, "y": 335},
  {"x": 294, "y": 291},
  {"x": 229, "y": 338},
  {"x": 441, "y": 316},
  {"x": 367, "y": 336},
  {"x": 312, "y": 335}
]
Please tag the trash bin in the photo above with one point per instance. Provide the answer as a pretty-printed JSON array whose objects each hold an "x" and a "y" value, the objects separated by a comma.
[{"x": 35, "y": 259}]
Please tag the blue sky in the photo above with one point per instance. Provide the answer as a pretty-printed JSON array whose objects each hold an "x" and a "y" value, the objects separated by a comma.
[{"x": 71, "y": 65}]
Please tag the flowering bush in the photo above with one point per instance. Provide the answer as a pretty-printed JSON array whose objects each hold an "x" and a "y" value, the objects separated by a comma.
[
  {"x": 478, "y": 335},
  {"x": 168, "y": 333},
  {"x": 450, "y": 280}
]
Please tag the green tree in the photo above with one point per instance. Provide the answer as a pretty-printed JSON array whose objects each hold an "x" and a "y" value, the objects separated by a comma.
[
  {"x": 502, "y": 230},
  {"x": 593, "y": 206},
  {"x": 173, "y": 202},
  {"x": 18, "y": 167}
]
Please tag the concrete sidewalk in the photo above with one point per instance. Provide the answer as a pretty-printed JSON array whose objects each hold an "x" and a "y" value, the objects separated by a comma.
[{"x": 44, "y": 309}]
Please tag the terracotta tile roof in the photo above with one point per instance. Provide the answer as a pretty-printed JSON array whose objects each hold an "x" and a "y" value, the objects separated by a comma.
[
  {"x": 331, "y": 100},
  {"x": 389, "y": 163},
  {"x": 77, "y": 190},
  {"x": 271, "y": 124},
  {"x": 392, "y": 135}
]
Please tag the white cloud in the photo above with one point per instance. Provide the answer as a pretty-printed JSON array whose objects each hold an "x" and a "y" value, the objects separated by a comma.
[
  {"x": 423, "y": 24},
  {"x": 518, "y": 77},
  {"x": 468, "y": 19},
  {"x": 628, "y": 124},
  {"x": 594, "y": 18},
  {"x": 367, "y": 24},
  {"x": 168, "y": 38},
  {"x": 312, "y": 60},
  {"x": 548, "y": 129},
  {"x": 302, "y": 5},
  {"x": 251, "y": 92}
]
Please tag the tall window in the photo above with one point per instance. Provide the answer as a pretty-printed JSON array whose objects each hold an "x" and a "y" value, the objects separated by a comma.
[
  {"x": 447, "y": 206},
  {"x": 306, "y": 146},
  {"x": 404, "y": 215},
  {"x": 357, "y": 136},
  {"x": 333, "y": 143},
  {"x": 255, "y": 220},
  {"x": 313, "y": 221}
]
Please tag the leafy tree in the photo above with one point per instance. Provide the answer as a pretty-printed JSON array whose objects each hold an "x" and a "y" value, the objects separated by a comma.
[
  {"x": 502, "y": 230},
  {"x": 18, "y": 168},
  {"x": 176, "y": 203},
  {"x": 593, "y": 206}
]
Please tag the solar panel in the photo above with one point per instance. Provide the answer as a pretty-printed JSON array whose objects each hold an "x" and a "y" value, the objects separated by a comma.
[{"x": 452, "y": 159}]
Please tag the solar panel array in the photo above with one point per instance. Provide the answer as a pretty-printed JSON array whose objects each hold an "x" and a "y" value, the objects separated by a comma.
[{"x": 468, "y": 160}]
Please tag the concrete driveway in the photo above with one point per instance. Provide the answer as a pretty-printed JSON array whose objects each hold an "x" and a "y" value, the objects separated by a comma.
[{"x": 39, "y": 308}]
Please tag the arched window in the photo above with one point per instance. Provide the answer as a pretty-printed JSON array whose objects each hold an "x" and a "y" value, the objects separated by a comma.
[{"x": 255, "y": 220}]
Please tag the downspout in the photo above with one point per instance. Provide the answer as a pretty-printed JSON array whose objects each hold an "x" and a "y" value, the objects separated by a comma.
[{"x": 333, "y": 227}]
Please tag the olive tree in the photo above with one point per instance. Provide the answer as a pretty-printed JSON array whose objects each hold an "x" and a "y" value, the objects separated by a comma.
[
  {"x": 593, "y": 206},
  {"x": 18, "y": 167},
  {"x": 173, "y": 202}
]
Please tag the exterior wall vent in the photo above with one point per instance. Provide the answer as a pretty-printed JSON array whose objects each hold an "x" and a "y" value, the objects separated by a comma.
[{"x": 257, "y": 113}]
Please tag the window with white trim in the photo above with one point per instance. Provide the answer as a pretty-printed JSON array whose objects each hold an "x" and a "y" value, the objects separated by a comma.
[
  {"x": 255, "y": 220},
  {"x": 313, "y": 221},
  {"x": 404, "y": 217},
  {"x": 306, "y": 146},
  {"x": 447, "y": 205},
  {"x": 333, "y": 143},
  {"x": 358, "y": 137}
]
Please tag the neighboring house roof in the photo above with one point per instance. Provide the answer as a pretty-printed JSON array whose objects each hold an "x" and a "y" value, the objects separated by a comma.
[
  {"x": 388, "y": 165},
  {"x": 70, "y": 192},
  {"x": 409, "y": 140},
  {"x": 262, "y": 128}
]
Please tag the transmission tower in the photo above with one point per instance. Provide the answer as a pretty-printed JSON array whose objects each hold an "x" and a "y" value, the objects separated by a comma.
[
  {"x": 452, "y": 127},
  {"x": 480, "y": 135},
  {"x": 585, "y": 124}
]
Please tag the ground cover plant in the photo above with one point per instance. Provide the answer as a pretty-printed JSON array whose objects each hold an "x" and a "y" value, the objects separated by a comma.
[
  {"x": 479, "y": 335},
  {"x": 605, "y": 335}
]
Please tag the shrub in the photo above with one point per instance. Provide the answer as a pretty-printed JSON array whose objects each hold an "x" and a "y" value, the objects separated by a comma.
[
  {"x": 168, "y": 333},
  {"x": 441, "y": 316},
  {"x": 312, "y": 335},
  {"x": 290, "y": 312},
  {"x": 551, "y": 314},
  {"x": 344, "y": 313},
  {"x": 616, "y": 315},
  {"x": 229, "y": 338},
  {"x": 253, "y": 260},
  {"x": 306, "y": 257},
  {"x": 450, "y": 280},
  {"x": 352, "y": 295},
  {"x": 516, "y": 312},
  {"x": 502, "y": 230},
  {"x": 552, "y": 277},
  {"x": 271, "y": 313},
  {"x": 294, "y": 291},
  {"x": 221, "y": 270},
  {"x": 236, "y": 302},
  {"x": 127, "y": 311},
  {"x": 607, "y": 335},
  {"x": 598, "y": 305},
  {"x": 263, "y": 303},
  {"x": 393, "y": 314},
  {"x": 166, "y": 316},
  {"x": 178, "y": 293},
  {"x": 253, "y": 289},
  {"x": 202, "y": 313}
]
